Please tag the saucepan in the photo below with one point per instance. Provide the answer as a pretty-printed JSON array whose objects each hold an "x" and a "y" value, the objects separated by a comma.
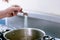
[{"x": 26, "y": 34}]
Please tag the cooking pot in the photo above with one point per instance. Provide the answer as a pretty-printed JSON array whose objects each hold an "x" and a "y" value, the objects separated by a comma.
[{"x": 25, "y": 34}]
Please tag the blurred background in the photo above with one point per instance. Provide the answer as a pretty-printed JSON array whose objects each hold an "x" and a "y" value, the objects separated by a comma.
[
  {"x": 48, "y": 6},
  {"x": 43, "y": 14}
]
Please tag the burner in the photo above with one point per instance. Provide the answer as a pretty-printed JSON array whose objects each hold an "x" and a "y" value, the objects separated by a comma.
[{"x": 1, "y": 36}]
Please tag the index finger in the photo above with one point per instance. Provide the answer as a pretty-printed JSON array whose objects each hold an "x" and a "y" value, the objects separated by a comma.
[{"x": 15, "y": 6}]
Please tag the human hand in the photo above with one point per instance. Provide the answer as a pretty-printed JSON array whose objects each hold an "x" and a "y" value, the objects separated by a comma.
[
  {"x": 12, "y": 11},
  {"x": 6, "y": 1}
]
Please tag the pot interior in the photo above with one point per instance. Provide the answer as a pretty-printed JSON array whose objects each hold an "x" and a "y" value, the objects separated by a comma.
[{"x": 24, "y": 34}]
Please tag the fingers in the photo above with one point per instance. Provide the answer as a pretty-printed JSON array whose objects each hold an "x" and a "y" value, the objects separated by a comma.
[
  {"x": 6, "y": 1},
  {"x": 15, "y": 13},
  {"x": 17, "y": 8},
  {"x": 12, "y": 14},
  {"x": 12, "y": 11}
]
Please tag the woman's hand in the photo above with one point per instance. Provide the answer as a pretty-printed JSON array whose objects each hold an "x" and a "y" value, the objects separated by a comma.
[
  {"x": 12, "y": 11},
  {"x": 6, "y": 1}
]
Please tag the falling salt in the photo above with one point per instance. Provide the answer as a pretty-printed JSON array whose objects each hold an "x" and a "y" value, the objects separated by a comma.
[
  {"x": 25, "y": 21},
  {"x": 27, "y": 32},
  {"x": 25, "y": 26}
]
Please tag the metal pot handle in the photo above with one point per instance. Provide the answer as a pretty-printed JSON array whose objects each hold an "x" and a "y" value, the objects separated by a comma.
[
  {"x": 52, "y": 39},
  {"x": 0, "y": 38},
  {"x": 48, "y": 38}
]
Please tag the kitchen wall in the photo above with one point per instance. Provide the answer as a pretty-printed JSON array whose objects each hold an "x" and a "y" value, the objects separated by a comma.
[{"x": 48, "y": 6}]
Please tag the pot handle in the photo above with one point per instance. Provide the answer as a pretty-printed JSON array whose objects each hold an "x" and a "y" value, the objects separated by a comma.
[
  {"x": 48, "y": 38},
  {"x": 0, "y": 38}
]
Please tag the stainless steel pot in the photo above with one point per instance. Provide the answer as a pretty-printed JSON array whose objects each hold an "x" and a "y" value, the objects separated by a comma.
[{"x": 25, "y": 34}]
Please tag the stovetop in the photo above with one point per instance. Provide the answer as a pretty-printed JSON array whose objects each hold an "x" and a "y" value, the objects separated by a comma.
[{"x": 2, "y": 30}]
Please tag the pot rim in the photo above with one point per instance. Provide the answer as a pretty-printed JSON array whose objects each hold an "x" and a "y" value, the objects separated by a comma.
[{"x": 25, "y": 28}]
